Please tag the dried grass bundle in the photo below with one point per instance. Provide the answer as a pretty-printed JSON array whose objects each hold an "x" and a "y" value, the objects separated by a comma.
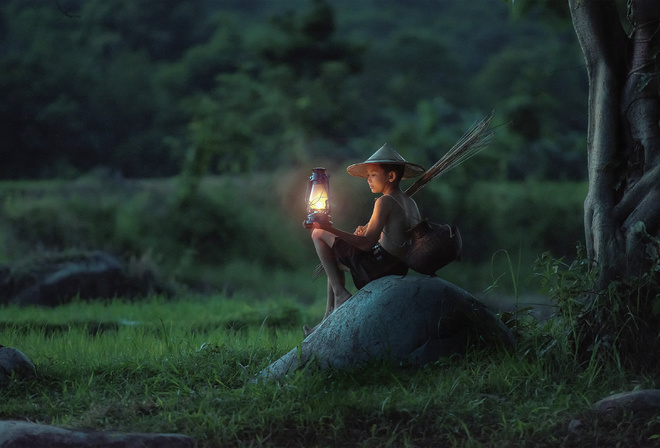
[
  {"x": 475, "y": 140},
  {"x": 435, "y": 245}
]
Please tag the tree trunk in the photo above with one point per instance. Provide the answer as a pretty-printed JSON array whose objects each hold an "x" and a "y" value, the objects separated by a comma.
[{"x": 622, "y": 208}]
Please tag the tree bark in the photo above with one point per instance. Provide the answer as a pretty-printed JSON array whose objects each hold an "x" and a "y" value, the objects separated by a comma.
[
  {"x": 623, "y": 134},
  {"x": 622, "y": 207},
  {"x": 602, "y": 41}
]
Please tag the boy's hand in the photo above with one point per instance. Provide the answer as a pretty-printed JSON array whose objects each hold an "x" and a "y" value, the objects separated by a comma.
[
  {"x": 360, "y": 231},
  {"x": 321, "y": 225}
]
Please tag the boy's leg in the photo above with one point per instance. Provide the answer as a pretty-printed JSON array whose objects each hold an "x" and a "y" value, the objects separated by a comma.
[
  {"x": 336, "y": 291},
  {"x": 330, "y": 303},
  {"x": 323, "y": 242}
]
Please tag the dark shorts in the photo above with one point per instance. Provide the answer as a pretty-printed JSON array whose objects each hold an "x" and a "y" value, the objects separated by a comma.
[{"x": 369, "y": 265}]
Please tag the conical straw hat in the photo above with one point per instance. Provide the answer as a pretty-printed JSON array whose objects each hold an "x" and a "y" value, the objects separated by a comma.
[{"x": 386, "y": 154}]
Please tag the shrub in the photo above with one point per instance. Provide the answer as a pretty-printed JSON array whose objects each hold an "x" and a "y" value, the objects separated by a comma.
[{"x": 256, "y": 219}]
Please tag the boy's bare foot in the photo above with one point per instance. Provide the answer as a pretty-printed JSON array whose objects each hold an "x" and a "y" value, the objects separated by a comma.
[{"x": 308, "y": 330}]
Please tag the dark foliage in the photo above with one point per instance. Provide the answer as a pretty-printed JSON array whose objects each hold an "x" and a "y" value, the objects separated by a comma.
[{"x": 146, "y": 87}]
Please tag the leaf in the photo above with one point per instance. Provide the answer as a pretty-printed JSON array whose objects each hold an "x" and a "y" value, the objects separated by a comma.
[{"x": 656, "y": 306}]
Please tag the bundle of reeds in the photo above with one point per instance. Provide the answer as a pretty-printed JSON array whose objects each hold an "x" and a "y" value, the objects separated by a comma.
[
  {"x": 434, "y": 245},
  {"x": 475, "y": 140}
]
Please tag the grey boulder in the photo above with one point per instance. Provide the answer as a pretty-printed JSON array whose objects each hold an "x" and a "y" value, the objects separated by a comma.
[{"x": 405, "y": 320}]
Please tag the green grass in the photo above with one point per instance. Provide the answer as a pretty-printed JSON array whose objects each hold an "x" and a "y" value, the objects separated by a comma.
[{"x": 185, "y": 365}]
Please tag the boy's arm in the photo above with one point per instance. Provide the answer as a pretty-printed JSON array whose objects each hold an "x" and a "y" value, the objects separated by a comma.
[{"x": 372, "y": 230}]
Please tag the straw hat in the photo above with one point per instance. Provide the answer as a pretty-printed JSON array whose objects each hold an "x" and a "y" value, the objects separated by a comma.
[{"x": 386, "y": 154}]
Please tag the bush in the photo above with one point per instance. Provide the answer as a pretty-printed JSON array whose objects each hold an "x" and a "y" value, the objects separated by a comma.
[
  {"x": 255, "y": 221},
  {"x": 59, "y": 222}
]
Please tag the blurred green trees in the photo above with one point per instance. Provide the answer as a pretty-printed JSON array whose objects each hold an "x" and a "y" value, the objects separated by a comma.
[{"x": 150, "y": 88}]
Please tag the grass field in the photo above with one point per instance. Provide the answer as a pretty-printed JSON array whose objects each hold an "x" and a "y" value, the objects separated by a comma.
[
  {"x": 241, "y": 265},
  {"x": 184, "y": 365}
]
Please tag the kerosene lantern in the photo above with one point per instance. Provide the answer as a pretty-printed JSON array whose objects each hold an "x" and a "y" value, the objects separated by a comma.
[{"x": 318, "y": 198}]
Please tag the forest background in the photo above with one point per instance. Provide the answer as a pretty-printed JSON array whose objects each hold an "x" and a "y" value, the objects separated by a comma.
[{"x": 180, "y": 134}]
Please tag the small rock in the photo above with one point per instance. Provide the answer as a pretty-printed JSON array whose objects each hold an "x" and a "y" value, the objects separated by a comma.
[
  {"x": 14, "y": 361},
  {"x": 574, "y": 425},
  {"x": 24, "y": 434},
  {"x": 635, "y": 401}
]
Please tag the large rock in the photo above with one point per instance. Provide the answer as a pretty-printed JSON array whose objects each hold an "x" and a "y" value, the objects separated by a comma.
[
  {"x": 16, "y": 434},
  {"x": 13, "y": 361},
  {"x": 638, "y": 407},
  {"x": 59, "y": 278},
  {"x": 406, "y": 320}
]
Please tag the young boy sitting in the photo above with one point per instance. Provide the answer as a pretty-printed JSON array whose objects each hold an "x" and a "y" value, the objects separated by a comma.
[{"x": 374, "y": 250}]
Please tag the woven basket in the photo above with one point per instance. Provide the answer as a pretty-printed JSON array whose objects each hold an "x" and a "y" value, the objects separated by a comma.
[{"x": 433, "y": 246}]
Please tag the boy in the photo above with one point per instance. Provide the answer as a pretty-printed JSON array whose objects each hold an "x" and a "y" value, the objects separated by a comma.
[{"x": 375, "y": 249}]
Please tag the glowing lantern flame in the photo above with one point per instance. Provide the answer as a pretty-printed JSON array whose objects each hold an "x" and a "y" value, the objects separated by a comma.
[{"x": 318, "y": 198}]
